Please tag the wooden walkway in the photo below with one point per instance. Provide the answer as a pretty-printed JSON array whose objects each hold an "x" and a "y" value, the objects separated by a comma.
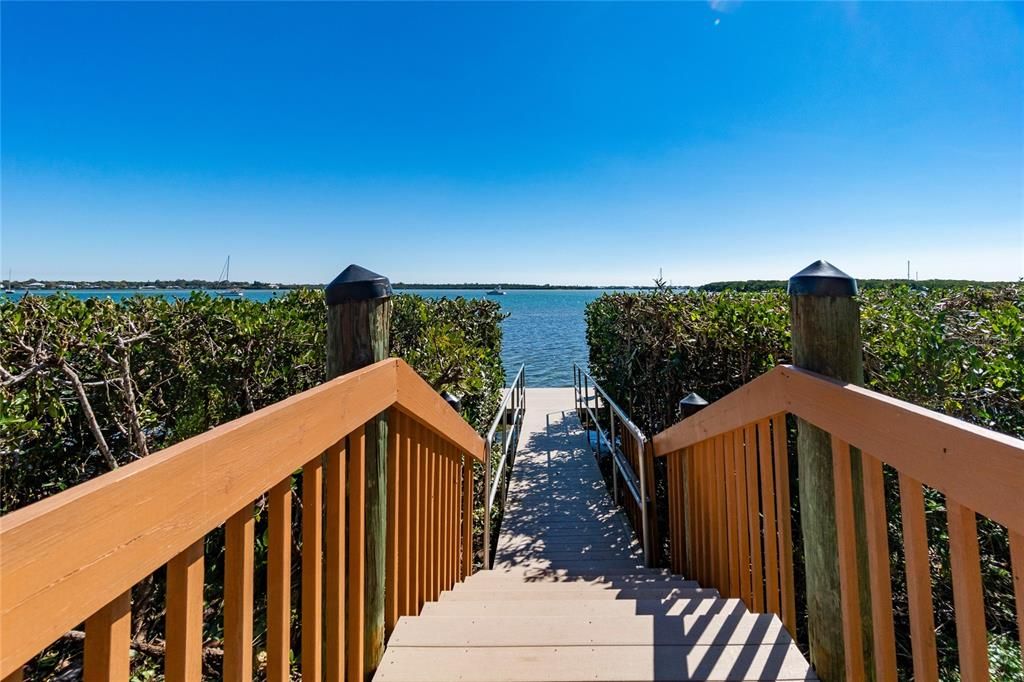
[{"x": 568, "y": 598}]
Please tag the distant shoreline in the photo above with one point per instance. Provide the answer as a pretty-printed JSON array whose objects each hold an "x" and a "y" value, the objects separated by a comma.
[
  {"x": 196, "y": 285},
  {"x": 200, "y": 285}
]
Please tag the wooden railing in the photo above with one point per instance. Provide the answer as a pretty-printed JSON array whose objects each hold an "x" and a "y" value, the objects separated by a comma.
[
  {"x": 729, "y": 508},
  {"x": 74, "y": 557}
]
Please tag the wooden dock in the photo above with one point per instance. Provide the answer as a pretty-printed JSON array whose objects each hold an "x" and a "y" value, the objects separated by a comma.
[{"x": 568, "y": 597}]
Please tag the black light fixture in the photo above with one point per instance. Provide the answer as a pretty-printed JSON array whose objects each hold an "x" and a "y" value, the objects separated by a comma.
[
  {"x": 452, "y": 400},
  {"x": 691, "y": 404}
]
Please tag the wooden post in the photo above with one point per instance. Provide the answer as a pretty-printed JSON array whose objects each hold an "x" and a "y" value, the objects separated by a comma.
[
  {"x": 358, "y": 331},
  {"x": 825, "y": 320}
]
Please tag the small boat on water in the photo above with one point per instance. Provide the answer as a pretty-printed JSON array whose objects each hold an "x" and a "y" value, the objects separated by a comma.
[
  {"x": 497, "y": 291},
  {"x": 7, "y": 287},
  {"x": 225, "y": 276}
]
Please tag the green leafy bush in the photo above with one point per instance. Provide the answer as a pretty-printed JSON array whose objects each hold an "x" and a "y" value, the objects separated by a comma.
[
  {"x": 956, "y": 350},
  {"x": 90, "y": 385}
]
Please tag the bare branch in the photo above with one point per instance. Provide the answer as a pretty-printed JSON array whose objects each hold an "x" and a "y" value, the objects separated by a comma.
[
  {"x": 12, "y": 379},
  {"x": 90, "y": 416}
]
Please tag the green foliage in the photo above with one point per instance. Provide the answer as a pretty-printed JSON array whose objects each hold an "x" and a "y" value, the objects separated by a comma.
[
  {"x": 959, "y": 351},
  {"x": 87, "y": 385},
  {"x": 154, "y": 371},
  {"x": 455, "y": 344}
]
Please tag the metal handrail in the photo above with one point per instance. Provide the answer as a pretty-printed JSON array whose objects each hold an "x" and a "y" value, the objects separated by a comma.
[
  {"x": 635, "y": 483},
  {"x": 516, "y": 396}
]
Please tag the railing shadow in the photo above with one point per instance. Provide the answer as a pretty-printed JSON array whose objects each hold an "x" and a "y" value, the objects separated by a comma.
[
  {"x": 562, "y": 526},
  {"x": 558, "y": 509}
]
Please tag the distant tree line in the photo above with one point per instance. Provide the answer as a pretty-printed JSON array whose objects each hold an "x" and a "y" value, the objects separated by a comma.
[
  {"x": 779, "y": 284},
  {"x": 187, "y": 284},
  {"x": 509, "y": 285}
]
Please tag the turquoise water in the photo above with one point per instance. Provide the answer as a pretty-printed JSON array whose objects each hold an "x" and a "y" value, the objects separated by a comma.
[{"x": 545, "y": 329}]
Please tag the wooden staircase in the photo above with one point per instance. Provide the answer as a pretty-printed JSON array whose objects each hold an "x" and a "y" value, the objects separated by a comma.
[{"x": 568, "y": 598}]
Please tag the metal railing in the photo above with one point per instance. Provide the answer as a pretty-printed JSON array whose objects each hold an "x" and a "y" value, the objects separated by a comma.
[
  {"x": 589, "y": 395},
  {"x": 509, "y": 417}
]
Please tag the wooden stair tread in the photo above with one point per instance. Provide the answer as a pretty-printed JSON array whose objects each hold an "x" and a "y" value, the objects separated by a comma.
[
  {"x": 575, "y": 664},
  {"x": 618, "y": 607},
  {"x": 572, "y": 630}
]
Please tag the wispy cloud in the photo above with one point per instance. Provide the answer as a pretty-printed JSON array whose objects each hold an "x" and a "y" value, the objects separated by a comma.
[{"x": 724, "y": 6}]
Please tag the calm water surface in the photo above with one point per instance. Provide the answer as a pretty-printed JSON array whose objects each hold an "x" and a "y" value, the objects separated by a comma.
[{"x": 545, "y": 329}]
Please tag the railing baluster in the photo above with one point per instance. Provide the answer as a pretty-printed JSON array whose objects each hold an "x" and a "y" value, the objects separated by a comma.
[
  {"x": 732, "y": 524},
  {"x": 334, "y": 644},
  {"x": 442, "y": 516},
  {"x": 355, "y": 654},
  {"x": 422, "y": 494},
  {"x": 688, "y": 513},
  {"x": 707, "y": 523},
  {"x": 968, "y": 597},
  {"x": 754, "y": 509},
  {"x": 439, "y": 538},
  {"x": 450, "y": 536},
  {"x": 1017, "y": 564},
  {"x": 312, "y": 569},
  {"x": 721, "y": 516},
  {"x": 183, "y": 623},
  {"x": 407, "y": 547},
  {"x": 879, "y": 579},
  {"x": 430, "y": 538},
  {"x": 673, "y": 509},
  {"x": 771, "y": 544},
  {"x": 743, "y": 531},
  {"x": 107, "y": 635},
  {"x": 700, "y": 480},
  {"x": 847, "y": 541},
  {"x": 919, "y": 580},
  {"x": 467, "y": 515},
  {"x": 679, "y": 461},
  {"x": 784, "y": 513},
  {"x": 393, "y": 531},
  {"x": 238, "y": 575},
  {"x": 454, "y": 513},
  {"x": 437, "y": 541},
  {"x": 279, "y": 591}
]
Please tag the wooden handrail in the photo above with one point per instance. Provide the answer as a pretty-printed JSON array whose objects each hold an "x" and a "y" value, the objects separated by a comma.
[
  {"x": 755, "y": 400},
  {"x": 729, "y": 506},
  {"x": 933, "y": 448},
  {"x": 67, "y": 557},
  {"x": 418, "y": 399}
]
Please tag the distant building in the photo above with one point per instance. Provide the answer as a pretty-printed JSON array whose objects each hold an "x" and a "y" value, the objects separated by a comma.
[{"x": 35, "y": 285}]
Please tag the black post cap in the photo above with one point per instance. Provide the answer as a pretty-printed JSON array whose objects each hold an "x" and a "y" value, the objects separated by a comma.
[
  {"x": 821, "y": 278},
  {"x": 356, "y": 283}
]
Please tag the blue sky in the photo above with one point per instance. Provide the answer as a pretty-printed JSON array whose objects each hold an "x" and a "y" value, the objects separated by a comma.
[{"x": 563, "y": 143}]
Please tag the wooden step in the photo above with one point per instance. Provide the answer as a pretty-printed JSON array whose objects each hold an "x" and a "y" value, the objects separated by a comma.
[
  {"x": 485, "y": 581},
  {"x": 541, "y": 576},
  {"x": 501, "y": 562},
  {"x": 583, "y": 554},
  {"x": 598, "y": 570},
  {"x": 575, "y": 630},
  {"x": 569, "y": 543},
  {"x": 584, "y": 607},
  {"x": 569, "y": 592},
  {"x": 602, "y": 663}
]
